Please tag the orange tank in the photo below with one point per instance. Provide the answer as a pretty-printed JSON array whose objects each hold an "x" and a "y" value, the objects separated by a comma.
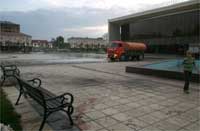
[{"x": 135, "y": 46}]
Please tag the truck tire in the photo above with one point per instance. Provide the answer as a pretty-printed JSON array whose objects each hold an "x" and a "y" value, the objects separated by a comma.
[
  {"x": 142, "y": 57},
  {"x": 138, "y": 58},
  {"x": 132, "y": 58},
  {"x": 123, "y": 57}
]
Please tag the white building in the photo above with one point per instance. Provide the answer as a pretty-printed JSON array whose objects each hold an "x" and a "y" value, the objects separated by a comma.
[
  {"x": 41, "y": 44},
  {"x": 78, "y": 42},
  {"x": 15, "y": 38}
]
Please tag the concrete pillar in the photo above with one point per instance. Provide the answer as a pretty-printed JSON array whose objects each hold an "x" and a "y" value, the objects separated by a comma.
[{"x": 114, "y": 31}]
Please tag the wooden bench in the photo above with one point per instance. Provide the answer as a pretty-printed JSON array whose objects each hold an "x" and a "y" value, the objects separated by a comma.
[
  {"x": 8, "y": 71},
  {"x": 50, "y": 102}
]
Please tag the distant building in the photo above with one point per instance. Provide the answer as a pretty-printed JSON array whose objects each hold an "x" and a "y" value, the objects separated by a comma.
[
  {"x": 11, "y": 39},
  {"x": 40, "y": 44},
  {"x": 50, "y": 44},
  {"x": 170, "y": 29},
  {"x": 7, "y": 26},
  {"x": 105, "y": 37},
  {"x": 79, "y": 42}
]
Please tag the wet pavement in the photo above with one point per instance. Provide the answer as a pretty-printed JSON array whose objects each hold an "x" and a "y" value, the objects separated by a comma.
[
  {"x": 109, "y": 99},
  {"x": 41, "y": 58}
]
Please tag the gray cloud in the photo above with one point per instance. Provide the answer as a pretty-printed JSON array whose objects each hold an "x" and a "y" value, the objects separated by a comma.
[{"x": 48, "y": 23}]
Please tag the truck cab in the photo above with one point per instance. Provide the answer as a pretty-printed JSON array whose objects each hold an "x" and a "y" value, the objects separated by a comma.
[{"x": 115, "y": 50}]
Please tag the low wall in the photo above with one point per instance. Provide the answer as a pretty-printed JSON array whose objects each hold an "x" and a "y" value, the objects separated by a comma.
[{"x": 161, "y": 73}]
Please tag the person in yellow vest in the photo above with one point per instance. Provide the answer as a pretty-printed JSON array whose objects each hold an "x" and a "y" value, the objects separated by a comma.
[{"x": 188, "y": 65}]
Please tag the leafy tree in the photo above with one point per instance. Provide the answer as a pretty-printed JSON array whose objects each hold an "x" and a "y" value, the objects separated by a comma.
[{"x": 59, "y": 42}]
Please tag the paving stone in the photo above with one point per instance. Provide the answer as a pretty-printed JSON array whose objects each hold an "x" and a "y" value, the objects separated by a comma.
[
  {"x": 183, "y": 129},
  {"x": 135, "y": 124},
  {"x": 167, "y": 126},
  {"x": 171, "y": 111},
  {"x": 149, "y": 119},
  {"x": 159, "y": 115},
  {"x": 151, "y": 128},
  {"x": 35, "y": 127},
  {"x": 120, "y": 127},
  {"x": 100, "y": 106},
  {"x": 133, "y": 105},
  {"x": 136, "y": 112},
  {"x": 124, "y": 101},
  {"x": 122, "y": 108},
  {"x": 169, "y": 103},
  {"x": 110, "y": 111},
  {"x": 189, "y": 116},
  {"x": 111, "y": 103},
  {"x": 156, "y": 106},
  {"x": 177, "y": 121},
  {"x": 106, "y": 121},
  {"x": 103, "y": 130},
  {"x": 146, "y": 109},
  {"x": 95, "y": 115},
  {"x": 121, "y": 117},
  {"x": 114, "y": 97},
  {"x": 90, "y": 126},
  {"x": 193, "y": 127}
]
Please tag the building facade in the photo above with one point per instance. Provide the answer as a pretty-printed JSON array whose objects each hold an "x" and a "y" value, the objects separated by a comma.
[
  {"x": 11, "y": 39},
  {"x": 41, "y": 44},
  {"x": 169, "y": 29},
  {"x": 78, "y": 42}
]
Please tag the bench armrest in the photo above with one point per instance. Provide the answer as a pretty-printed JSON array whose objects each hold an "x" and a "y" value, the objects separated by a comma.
[
  {"x": 17, "y": 72},
  {"x": 10, "y": 70},
  {"x": 36, "y": 82},
  {"x": 9, "y": 67},
  {"x": 63, "y": 97}
]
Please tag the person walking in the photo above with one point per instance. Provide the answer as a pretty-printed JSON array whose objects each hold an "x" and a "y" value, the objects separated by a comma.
[{"x": 188, "y": 64}]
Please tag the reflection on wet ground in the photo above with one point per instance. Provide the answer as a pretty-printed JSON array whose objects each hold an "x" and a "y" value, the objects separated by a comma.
[{"x": 51, "y": 58}]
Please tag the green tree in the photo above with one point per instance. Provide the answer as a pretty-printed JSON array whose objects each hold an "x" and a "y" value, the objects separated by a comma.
[{"x": 60, "y": 42}]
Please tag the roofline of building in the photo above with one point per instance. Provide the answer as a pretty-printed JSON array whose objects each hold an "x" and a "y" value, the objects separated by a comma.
[
  {"x": 39, "y": 40},
  {"x": 8, "y": 22},
  {"x": 162, "y": 9},
  {"x": 14, "y": 33},
  {"x": 99, "y": 38}
]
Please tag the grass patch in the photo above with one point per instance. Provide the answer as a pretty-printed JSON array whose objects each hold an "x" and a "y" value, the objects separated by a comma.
[{"x": 8, "y": 116}]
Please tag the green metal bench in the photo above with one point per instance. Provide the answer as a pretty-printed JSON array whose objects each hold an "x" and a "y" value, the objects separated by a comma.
[{"x": 50, "y": 102}]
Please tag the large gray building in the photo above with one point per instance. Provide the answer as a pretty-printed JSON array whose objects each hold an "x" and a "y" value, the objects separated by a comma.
[
  {"x": 169, "y": 29},
  {"x": 11, "y": 39}
]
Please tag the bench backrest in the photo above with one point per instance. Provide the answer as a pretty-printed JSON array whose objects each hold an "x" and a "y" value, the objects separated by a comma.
[
  {"x": 32, "y": 91},
  {"x": 10, "y": 70}
]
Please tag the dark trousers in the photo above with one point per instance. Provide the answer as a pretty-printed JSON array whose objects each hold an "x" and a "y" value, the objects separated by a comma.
[{"x": 187, "y": 76}]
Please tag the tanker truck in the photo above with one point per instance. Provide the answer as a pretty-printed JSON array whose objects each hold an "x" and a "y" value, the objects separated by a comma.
[{"x": 122, "y": 51}]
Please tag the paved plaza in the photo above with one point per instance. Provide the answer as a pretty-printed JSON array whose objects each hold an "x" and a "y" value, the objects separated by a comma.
[{"x": 108, "y": 99}]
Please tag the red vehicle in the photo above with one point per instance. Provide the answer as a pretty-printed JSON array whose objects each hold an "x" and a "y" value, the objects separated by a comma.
[{"x": 120, "y": 50}]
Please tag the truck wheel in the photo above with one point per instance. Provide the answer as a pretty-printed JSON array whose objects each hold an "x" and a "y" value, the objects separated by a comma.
[
  {"x": 112, "y": 59},
  {"x": 122, "y": 58},
  {"x": 133, "y": 58},
  {"x": 138, "y": 58},
  {"x": 142, "y": 57}
]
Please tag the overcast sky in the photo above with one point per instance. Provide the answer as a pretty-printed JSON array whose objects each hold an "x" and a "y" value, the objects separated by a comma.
[{"x": 45, "y": 19}]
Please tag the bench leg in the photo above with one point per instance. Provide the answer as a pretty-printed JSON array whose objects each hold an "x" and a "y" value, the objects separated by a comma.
[
  {"x": 43, "y": 121},
  {"x": 2, "y": 82},
  {"x": 69, "y": 112},
  {"x": 20, "y": 94},
  {"x": 70, "y": 118}
]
